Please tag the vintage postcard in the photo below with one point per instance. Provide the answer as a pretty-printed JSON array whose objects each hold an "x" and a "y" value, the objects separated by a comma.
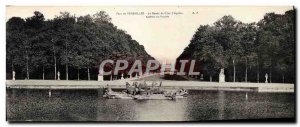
[{"x": 150, "y": 63}]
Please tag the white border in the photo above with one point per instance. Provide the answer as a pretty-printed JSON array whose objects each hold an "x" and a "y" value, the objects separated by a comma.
[{"x": 127, "y": 2}]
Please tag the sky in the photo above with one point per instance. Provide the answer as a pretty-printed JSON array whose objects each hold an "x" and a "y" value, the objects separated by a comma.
[{"x": 165, "y": 36}]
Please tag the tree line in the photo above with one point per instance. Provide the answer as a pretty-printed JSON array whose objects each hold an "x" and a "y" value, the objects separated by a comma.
[
  {"x": 247, "y": 51},
  {"x": 75, "y": 46}
]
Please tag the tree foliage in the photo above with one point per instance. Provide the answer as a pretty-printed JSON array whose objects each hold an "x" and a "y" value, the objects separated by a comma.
[
  {"x": 252, "y": 49},
  {"x": 66, "y": 41}
]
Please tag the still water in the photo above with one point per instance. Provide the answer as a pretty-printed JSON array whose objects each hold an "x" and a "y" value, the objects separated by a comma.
[{"x": 88, "y": 105}]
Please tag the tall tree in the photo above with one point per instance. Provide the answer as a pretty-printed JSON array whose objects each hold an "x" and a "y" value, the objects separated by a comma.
[
  {"x": 229, "y": 38},
  {"x": 247, "y": 32},
  {"x": 15, "y": 36},
  {"x": 66, "y": 21},
  {"x": 268, "y": 46}
]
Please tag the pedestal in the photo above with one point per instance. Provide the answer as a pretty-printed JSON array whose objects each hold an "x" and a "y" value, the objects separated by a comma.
[
  {"x": 100, "y": 77},
  {"x": 222, "y": 78}
]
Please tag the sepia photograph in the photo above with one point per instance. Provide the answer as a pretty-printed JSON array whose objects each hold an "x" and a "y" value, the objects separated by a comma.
[{"x": 150, "y": 64}]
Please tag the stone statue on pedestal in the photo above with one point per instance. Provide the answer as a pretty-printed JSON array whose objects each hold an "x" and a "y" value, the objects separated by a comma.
[
  {"x": 122, "y": 76},
  {"x": 221, "y": 75},
  {"x": 266, "y": 76},
  {"x": 201, "y": 78},
  {"x": 58, "y": 75},
  {"x": 136, "y": 76},
  {"x": 14, "y": 75},
  {"x": 100, "y": 75}
]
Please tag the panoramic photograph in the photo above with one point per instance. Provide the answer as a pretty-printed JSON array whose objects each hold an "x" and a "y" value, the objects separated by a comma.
[{"x": 150, "y": 63}]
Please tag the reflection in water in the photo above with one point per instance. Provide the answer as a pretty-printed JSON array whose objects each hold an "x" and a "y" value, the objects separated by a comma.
[
  {"x": 140, "y": 110},
  {"x": 155, "y": 110},
  {"x": 88, "y": 105},
  {"x": 115, "y": 110},
  {"x": 221, "y": 103}
]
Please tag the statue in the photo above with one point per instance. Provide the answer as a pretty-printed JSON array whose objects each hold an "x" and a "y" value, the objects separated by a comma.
[
  {"x": 266, "y": 76},
  {"x": 201, "y": 77},
  {"x": 222, "y": 76},
  {"x": 122, "y": 76},
  {"x": 136, "y": 76},
  {"x": 100, "y": 75},
  {"x": 58, "y": 75},
  {"x": 14, "y": 75}
]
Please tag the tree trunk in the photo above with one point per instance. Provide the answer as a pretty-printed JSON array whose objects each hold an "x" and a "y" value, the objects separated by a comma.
[
  {"x": 43, "y": 73},
  {"x": 270, "y": 76},
  {"x": 246, "y": 73},
  {"x": 27, "y": 68},
  {"x": 257, "y": 71},
  {"x": 12, "y": 70},
  {"x": 54, "y": 57},
  {"x": 77, "y": 73},
  {"x": 88, "y": 69},
  {"x": 54, "y": 68},
  {"x": 233, "y": 71},
  {"x": 67, "y": 75},
  {"x": 210, "y": 78},
  {"x": 257, "y": 76},
  {"x": 282, "y": 78}
]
